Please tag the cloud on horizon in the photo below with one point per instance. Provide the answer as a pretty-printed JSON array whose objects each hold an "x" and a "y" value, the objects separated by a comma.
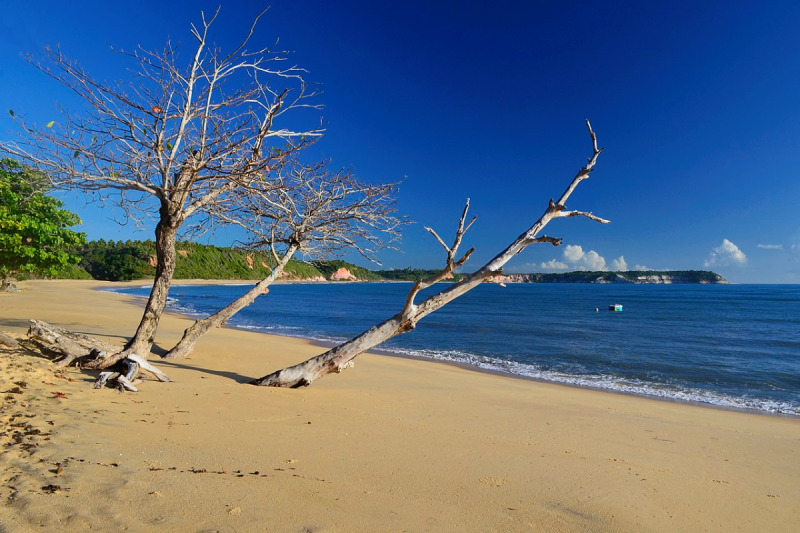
[
  {"x": 574, "y": 258},
  {"x": 726, "y": 254},
  {"x": 554, "y": 264},
  {"x": 618, "y": 265}
]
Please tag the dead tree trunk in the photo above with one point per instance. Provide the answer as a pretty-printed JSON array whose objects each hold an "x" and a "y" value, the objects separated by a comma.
[
  {"x": 66, "y": 346},
  {"x": 201, "y": 327},
  {"x": 341, "y": 357},
  {"x": 75, "y": 348},
  {"x": 143, "y": 339}
]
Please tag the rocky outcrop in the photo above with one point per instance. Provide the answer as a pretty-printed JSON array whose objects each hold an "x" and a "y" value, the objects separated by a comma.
[
  {"x": 515, "y": 278},
  {"x": 343, "y": 275}
]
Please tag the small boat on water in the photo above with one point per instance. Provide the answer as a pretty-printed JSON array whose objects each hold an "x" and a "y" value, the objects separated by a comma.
[{"x": 615, "y": 307}]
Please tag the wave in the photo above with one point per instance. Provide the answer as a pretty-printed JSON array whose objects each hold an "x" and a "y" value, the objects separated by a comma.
[
  {"x": 593, "y": 381},
  {"x": 609, "y": 382}
]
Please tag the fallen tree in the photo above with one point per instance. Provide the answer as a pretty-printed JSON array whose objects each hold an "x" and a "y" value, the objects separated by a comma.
[
  {"x": 342, "y": 356},
  {"x": 315, "y": 212},
  {"x": 72, "y": 348}
]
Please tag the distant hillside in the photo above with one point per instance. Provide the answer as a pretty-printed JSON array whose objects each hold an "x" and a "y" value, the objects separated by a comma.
[
  {"x": 130, "y": 260},
  {"x": 411, "y": 274},
  {"x": 630, "y": 276}
]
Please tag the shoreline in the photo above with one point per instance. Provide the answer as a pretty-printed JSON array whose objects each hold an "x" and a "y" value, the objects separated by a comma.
[
  {"x": 135, "y": 300},
  {"x": 394, "y": 444}
]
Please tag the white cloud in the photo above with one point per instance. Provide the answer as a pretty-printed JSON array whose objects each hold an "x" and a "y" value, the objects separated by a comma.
[
  {"x": 619, "y": 265},
  {"x": 573, "y": 253},
  {"x": 593, "y": 261},
  {"x": 641, "y": 268},
  {"x": 554, "y": 265},
  {"x": 576, "y": 259},
  {"x": 771, "y": 246},
  {"x": 725, "y": 254}
]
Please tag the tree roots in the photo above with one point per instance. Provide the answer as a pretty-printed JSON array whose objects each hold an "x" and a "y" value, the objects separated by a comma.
[{"x": 68, "y": 348}]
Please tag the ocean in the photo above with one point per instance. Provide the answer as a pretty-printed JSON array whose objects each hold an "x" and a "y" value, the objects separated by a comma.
[{"x": 729, "y": 345}]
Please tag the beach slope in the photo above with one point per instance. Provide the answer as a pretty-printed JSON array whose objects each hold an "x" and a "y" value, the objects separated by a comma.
[{"x": 391, "y": 445}]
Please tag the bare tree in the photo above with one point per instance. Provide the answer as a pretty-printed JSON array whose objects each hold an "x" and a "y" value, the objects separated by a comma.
[
  {"x": 317, "y": 213},
  {"x": 178, "y": 139},
  {"x": 341, "y": 357}
]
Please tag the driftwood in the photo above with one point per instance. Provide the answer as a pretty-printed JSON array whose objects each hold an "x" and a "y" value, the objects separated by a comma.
[
  {"x": 76, "y": 348},
  {"x": 125, "y": 372},
  {"x": 341, "y": 357},
  {"x": 8, "y": 340},
  {"x": 70, "y": 348}
]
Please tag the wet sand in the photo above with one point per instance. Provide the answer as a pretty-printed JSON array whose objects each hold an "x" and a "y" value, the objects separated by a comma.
[{"x": 392, "y": 445}]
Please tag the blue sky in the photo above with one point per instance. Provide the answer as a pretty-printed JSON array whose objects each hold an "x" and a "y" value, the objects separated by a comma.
[{"x": 696, "y": 104}]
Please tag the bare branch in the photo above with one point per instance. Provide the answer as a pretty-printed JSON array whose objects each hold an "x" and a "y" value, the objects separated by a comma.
[
  {"x": 555, "y": 241},
  {"x": 432, "y": 232},
  {"x": 583, "y": 214}
]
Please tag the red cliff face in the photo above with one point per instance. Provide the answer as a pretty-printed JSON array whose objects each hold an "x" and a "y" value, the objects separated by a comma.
[{"x": 343, "y": 275}]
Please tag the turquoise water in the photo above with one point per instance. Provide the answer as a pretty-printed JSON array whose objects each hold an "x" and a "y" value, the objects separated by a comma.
[{"x": 730, "y": 345}]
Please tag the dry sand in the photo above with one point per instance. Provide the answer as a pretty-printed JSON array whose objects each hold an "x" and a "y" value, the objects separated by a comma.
[{"x": 391, "y": 445}]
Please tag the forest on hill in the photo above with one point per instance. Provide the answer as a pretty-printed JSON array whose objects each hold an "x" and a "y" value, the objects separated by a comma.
[{"x": 133, "y": 260}]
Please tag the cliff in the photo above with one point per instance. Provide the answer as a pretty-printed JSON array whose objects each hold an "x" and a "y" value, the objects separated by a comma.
[{"x": 631, "y": 276}]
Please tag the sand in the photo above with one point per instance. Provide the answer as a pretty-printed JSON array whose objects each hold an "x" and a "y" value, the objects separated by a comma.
[{"x": 391, "y": 445}]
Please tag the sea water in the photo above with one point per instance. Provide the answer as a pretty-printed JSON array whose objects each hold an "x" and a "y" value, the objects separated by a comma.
[{"x": 729, "y": 345}]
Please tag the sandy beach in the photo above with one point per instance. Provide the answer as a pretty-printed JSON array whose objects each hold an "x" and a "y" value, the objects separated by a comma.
[{"x": 391, "y": 445}]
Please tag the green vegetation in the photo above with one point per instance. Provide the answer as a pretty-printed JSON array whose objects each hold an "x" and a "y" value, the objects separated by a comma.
[
  {"x": 302, "y": 270},
  {"x": 130, "y": 260},
  {"x": 117, "y": 261},
  {"x": 412, "y": 274},
  {"x": 34, "y": 230}
]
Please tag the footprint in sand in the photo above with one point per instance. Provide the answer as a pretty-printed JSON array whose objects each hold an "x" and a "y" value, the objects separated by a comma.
[{"x": 493, "y": 481}]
